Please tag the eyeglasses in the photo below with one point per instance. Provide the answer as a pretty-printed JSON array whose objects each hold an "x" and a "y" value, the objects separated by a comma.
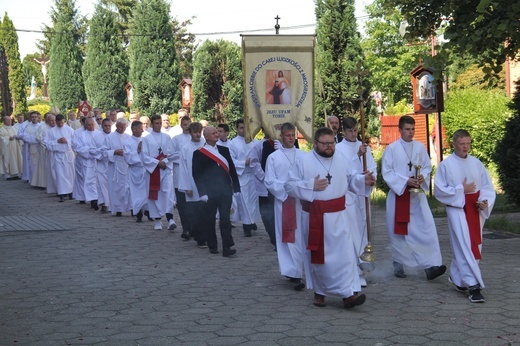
[{"x": 327, "y": 144}]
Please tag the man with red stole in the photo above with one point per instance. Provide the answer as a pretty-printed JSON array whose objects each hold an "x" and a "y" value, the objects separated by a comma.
[{"x": 463, "y": 184}]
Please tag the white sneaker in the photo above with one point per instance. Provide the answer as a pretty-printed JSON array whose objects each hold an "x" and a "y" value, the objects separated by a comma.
[
  {"x": 158, "y": 225},
  {"x": 172, "y": 225},
  {"x": 362, "y": 281}
]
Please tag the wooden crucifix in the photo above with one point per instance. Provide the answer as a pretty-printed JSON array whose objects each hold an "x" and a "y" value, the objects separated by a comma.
[{"x": 43, "y": 61}]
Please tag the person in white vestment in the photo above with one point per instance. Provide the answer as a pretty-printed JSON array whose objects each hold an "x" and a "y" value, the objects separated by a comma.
[
  {"x": 39, "y": 179},
  {"x": 29, "y": 136},
  {"x": 409, "y": 220},
  {"x": 187, "y": 185},
  {"x": 463, "y": 184},
  {"x": 86, "y": 148},
  {"x": 131, "y": 118},
  {"x": 165, "y": 124},
  {"x": 59, "y": 141},
  {"x": 352, "y": 148},
  {"x": 102, "y": 165},
  {"x": 175, "y": 152},
  {"x": 154, "y": 154},
  {"x": 25, "y": 146},
  {"x": 137, "y": 176},
  {"x": 49, "y": 160},
  {"x": 290, "y": 244},
  {"x": 73, "y": 121},
  {"x": 11, "y": 151},
  {"x": 117, "y": 174},
  {"x": 223, "y": 134},
  {"x": 177, "y": 129},
  {"x": 321, "y": 181},
  {"x": 79, "y": 183},
  {"x": 247, "y": 199}
]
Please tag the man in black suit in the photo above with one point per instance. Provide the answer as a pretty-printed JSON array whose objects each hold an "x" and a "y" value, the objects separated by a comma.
[
  {"x": 333, "y": 123},
  {"x": 216, "y": 179}
]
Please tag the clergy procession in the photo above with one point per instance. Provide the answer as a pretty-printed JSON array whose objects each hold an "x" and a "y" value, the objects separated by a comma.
[{"x": 313, "y": 205}]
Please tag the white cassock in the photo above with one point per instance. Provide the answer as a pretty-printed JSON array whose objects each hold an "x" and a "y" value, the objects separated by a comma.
[
  {"x": 186, "y": 181},
  {"x": 100, "y": 154},
  {"x": 175, "y": 131},
  {"x": 256, "y": 166},
  {"x": 79, "y": 192},
  {"x": 356, "y": 205},
  {"x": 420, "y": 248},
  {"x": 49, "y": 165},
  {"x": 25, "y": 150},
  {"x": 63, "y": 173},
  {"x": 137, "y": 176},
  {"x": 40, "y": 175},
  {"x": 153, "y": 145},
  {"x": 338, "y": 275},
  {"x": 29, "y": 136},
  {"x": 224, "y": 144},
  {"x": 11, "y": 151},
  {"x": 247, "y": 199},
  {"x": 117, "y": 174},
  {"x": 86, "y": 148},
  {"x": 464, "y": 269},
  {"x": 277, "y": 173},
  {"x": 74, "y": 124},
  {"x": 174, "y": 154}
]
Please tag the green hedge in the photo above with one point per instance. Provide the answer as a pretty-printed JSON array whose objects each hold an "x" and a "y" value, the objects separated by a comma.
[{"x": 481, "y": 112}]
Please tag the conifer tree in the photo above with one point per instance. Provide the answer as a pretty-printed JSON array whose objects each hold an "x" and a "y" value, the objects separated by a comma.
[
  {"x": 217, "y": 82},
  {"x": 105, "y": 70},
  {"x": 338, "y": 53},
  {"x": 65, "y": 80},
  {"x": 154, "y": 66},
  {"x": 9, "y": 40}
]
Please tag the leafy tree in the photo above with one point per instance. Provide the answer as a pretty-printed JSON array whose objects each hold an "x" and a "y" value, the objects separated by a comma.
[
  {"x": 217, "y": 82},
  {"x": 483, "y": 113},
  {"x": 184, "y": 45},
  {"x": 154, "y": 66},
  {"x": 507, "y": 154},
  {"x": 488, "y": 31},
  {"x": 9, "y": 40},
  {"x": 66, "y": 86},
  {"x": 338, "y": 56},
  {"x": 106, "y": 65},
  {"x": 388, "y": 57},
  {"x": 474, "y": 77},
  {"x": 124, "y": 10}
]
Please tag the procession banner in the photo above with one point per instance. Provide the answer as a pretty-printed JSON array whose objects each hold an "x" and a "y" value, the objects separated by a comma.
[{"x": 278, "y": 75}]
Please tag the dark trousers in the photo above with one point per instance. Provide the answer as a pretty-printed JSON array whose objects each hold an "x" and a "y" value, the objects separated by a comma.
[
  {"x": 221, "y": 203},
  {"x": 183, "y": 211},
  {"x": 267, "y": 213}
]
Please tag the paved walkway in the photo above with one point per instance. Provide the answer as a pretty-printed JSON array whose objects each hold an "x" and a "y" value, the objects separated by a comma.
[{"x": 71, "y": 276}]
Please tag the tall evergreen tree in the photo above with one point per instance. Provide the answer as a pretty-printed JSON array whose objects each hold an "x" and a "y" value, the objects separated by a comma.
[
  {"x": 9, "y": 39},
  {"x": 185, "y": 46},
  {"x": 338, "y": 54},
  {"x": 66, "y": 86},
  {"x": 106, "y": 65},
  {"x": 154, "y": 66},
  {"x": 217, "y": 82}
]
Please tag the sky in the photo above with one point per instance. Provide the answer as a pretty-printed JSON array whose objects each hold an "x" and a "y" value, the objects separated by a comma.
[{"x": 225, "y": 19}]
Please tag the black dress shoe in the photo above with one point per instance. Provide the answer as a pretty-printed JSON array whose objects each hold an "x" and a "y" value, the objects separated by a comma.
[
  {"x": 227, "y": 252},
  {"x": 254, "y": 227},
  {"x": 82, "y": 202},
  {"x": 399, "y": 271},
  {"x": 214, "y": 251},
  {"x": 435, "y": 272},
  {"x": 70, "y": 195},
  {"x": 185, "y": 235},
  {"x": 298, "y": 284},
  {"x": 119, "y": 213}
]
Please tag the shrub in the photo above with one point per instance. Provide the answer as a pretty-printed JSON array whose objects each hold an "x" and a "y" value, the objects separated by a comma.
[
  {"x": 507, "y": 154},
  {"x": 481, "y": 112}
]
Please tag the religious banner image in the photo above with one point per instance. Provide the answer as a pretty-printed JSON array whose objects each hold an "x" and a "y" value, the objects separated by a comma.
[{"x": 278, "y": 83}]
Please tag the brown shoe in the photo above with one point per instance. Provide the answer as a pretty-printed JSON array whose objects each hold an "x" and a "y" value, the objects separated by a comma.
[
  {"x": 355, "y": 300},
  {"x": 319, "y": 300}
]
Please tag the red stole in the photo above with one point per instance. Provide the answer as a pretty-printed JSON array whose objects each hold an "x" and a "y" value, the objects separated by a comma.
[
  {"x": 289, "y": 220},
  {"x": 402, "y": 213},
  {"x": 215, "y": 158},
  {"x": 316, "y": 227},
  {"x": 473, "y": 219},
  {"x": 155, "y": 180}
]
